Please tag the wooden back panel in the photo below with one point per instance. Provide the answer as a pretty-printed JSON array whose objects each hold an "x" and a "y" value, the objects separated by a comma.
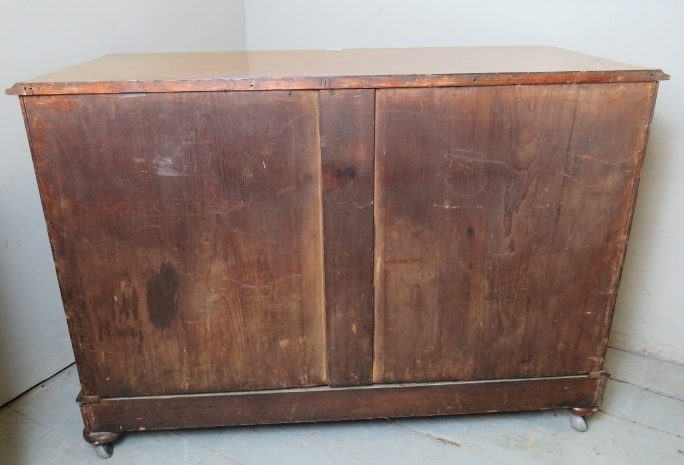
[
  {"x": 502, "y": 216},
  {"x": 186, "y": 230}
]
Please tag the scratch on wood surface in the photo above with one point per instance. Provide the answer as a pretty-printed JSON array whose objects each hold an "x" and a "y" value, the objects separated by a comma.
[
  {"x": 452, "y": 157},
  {"x": 247, "y": 155},
  {"x": 237, "y": 207},
  {"x": 578, "y": 181},
  {"x": 148, "y": 226},
  {"x": 421, "y": 113},
  {"x": 94, "y": 249},
  {"x": 450, "y": 153},
  {"x": 285, "y": 190},
  {"x": 598, "y": 160},
  {"x": 256, "y": 286},
  {"x": 443, "y": 221},
  {"x": 444, "y": 177}
]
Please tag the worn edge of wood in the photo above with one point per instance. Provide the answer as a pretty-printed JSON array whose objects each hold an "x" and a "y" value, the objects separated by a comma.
[
  {"x": 610, "y": 311},
  {"x": 601, "y": 390},
  {"x": 83, "y": 399},
  {"x": 334, "y": 82},
  {"x": 337, "y": 404}
]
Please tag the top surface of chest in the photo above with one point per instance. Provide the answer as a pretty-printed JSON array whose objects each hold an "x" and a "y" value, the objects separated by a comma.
[{"x": 321, "y": 69}]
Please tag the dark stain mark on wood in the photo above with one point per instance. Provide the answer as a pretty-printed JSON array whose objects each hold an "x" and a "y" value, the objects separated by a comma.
[
  {"x": 161, "y": 296},
  {"x": 336, "y": 178},
  {"x": 348, "y": 172}
]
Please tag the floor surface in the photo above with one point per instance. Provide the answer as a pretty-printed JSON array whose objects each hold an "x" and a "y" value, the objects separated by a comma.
[{"x": 641, "y": 422}]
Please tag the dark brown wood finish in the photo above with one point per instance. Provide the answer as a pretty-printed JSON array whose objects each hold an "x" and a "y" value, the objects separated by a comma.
[
  {"x": 347, "y": 138},
  {"x": 98, "y": 439},
  {"x": 333, "y": 69},
  {"x": 455, "y": 219},
  {"x": 186, "y": 231},
  {"x": 334, "y": 404},
  {"x": 502, "y": 217}
]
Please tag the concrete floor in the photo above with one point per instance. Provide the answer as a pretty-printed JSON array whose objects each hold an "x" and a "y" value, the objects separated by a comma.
[{"x": 641, "y": 422}]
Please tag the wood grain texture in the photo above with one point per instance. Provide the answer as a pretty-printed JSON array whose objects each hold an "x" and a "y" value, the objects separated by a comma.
[
  {"x": 325, "y": 69},
  {"x": 347, "y": 138},
  {"x": 418, "y": 218},
  {"x": 186, "y": 231},
  {"x": 502, "y": 217},
  {"x": 334, "y": 404}
]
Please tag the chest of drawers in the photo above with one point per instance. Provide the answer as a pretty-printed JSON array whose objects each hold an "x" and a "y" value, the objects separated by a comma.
[{"x": 263, "y": 237}]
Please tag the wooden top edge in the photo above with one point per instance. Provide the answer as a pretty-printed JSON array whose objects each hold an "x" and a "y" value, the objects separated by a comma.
[
  {"x": 337, "y": 82},
  {"x": 329, "y": 69}
]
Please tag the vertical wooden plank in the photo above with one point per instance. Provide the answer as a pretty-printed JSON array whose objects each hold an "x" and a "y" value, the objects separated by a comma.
[
  {"x": 187, "y": 232},
  {"x": 502, "y": 216},
  {"x": 347, "y": 138}
]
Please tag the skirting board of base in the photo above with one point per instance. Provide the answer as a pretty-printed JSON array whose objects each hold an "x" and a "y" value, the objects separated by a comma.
[{"x": 342, "y": 403}]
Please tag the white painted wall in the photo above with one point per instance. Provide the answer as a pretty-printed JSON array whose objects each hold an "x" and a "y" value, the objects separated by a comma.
[
  {"x": 650, "y": 310},
  {"x": 39, "y": 37}
]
